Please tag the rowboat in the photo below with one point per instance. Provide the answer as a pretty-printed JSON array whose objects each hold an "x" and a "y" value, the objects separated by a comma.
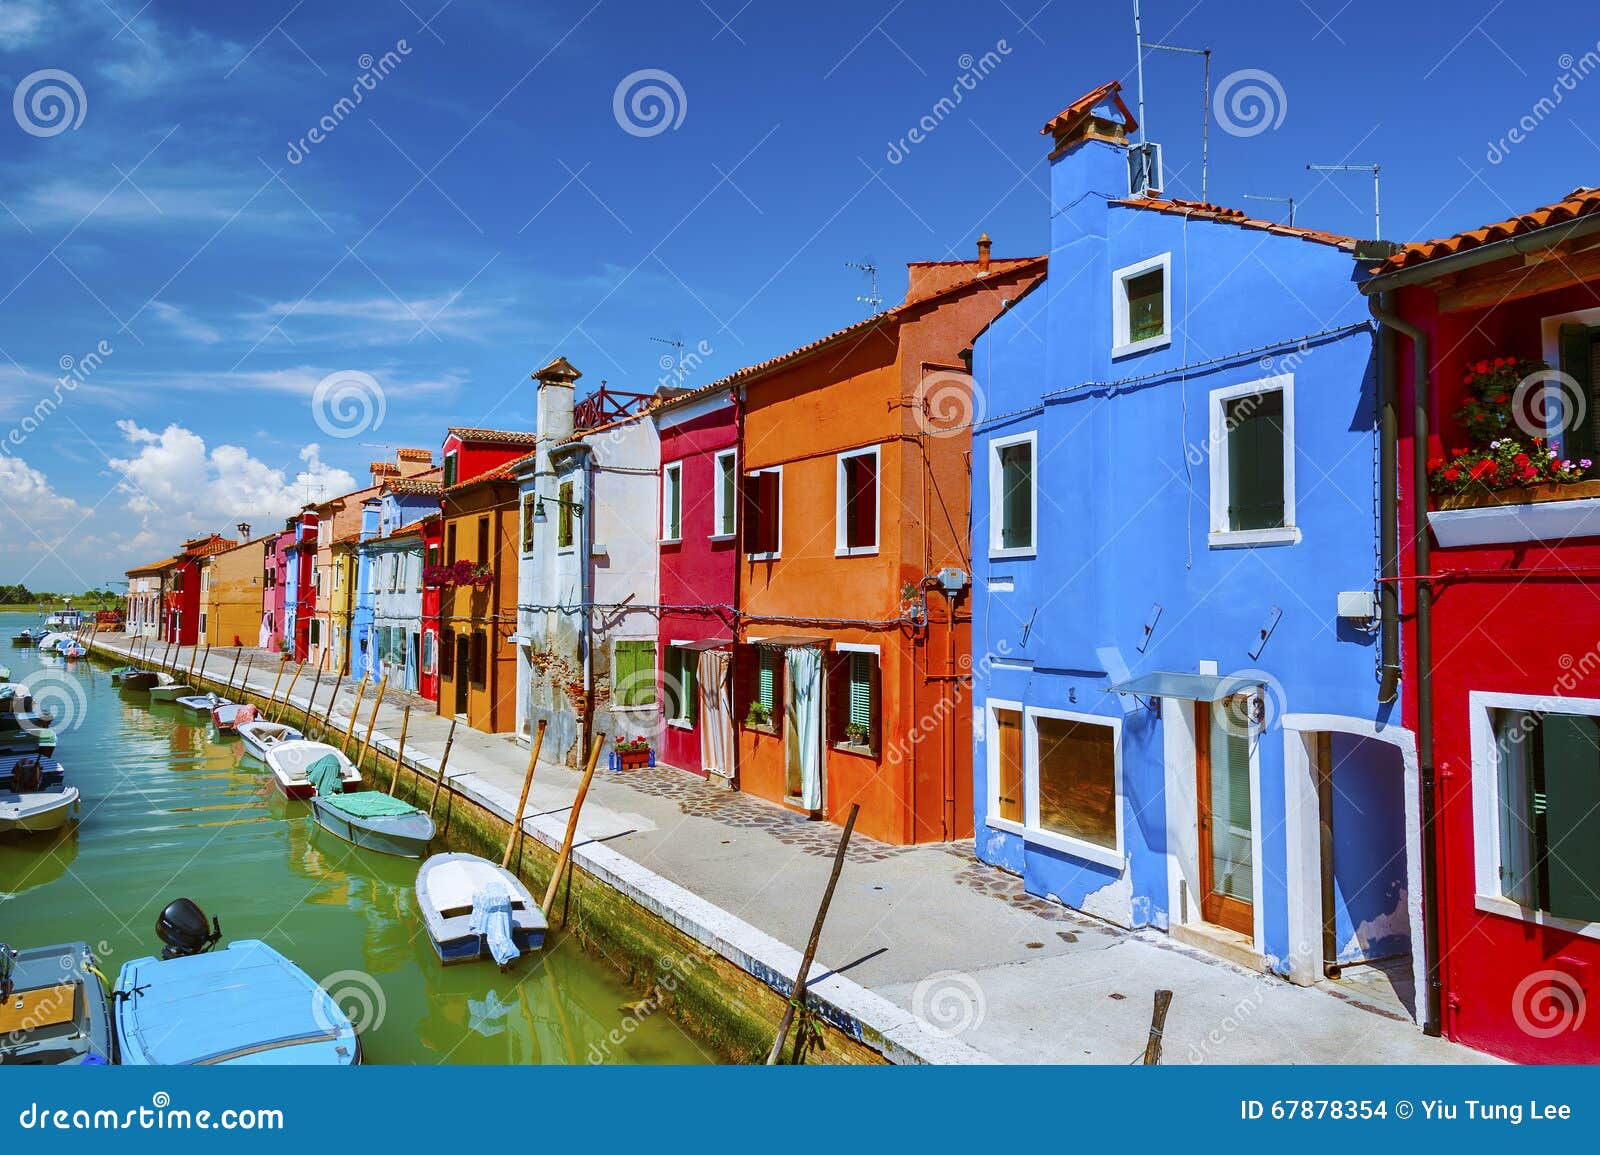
[
  {"x": 291, "y": 763},
  {"x": 373, "y": 820},
  {"x": 15, "y": 698},
  {"x": 169, "y": 690},
  {"x": 141, "y": 680},
  {"x": 72, "y": 649},
  {"x": 202, "y": 703},
  {"x": 26, "y": 637},
  {"x": 20, "y": 743},
  {"x": 226, "y": 716},
  {"x": 49, "y": 806},
  {"x": 122, "y": 672},
  {"x": 49, "y": 771},
  {"x": 259, "y": 737},
  {"x": 53, "y": 1007},
  {"x": 472, "y": 907},
  {"x": 52, "y": 640},
  {"x": 245, "y": 1004}
]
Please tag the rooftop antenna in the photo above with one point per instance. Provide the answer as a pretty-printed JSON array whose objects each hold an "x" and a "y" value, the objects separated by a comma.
[
  {"x": 1377, "y": 220},
  {"x": 872, "y": 301},
  {"x": 677, "y": 349},
  {"x": 1138, "y": 43},
  {"x": 1205, "y": 96},
  {"x": 1279, "y": 200}
]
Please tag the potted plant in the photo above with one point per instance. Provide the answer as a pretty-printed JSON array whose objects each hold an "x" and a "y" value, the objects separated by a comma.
[
  {"x": 759, "y": 716},
  {"x": 631, "y": 753},
  {"x": 858, "y": 734},
  {"x": 1504, "y": 464}
]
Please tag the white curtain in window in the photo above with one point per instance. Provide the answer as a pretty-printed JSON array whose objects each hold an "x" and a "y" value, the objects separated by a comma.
[
  {"x": 803, "y": 722},
  {"x": 716, "y": 713}
]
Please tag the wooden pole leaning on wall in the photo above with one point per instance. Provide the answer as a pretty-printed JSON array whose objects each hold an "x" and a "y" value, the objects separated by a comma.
[
  {"x": 244, "y": 677},
  {"x": 400, "y": 750},
  {"x": 366, "y": 740},
  {"x": 201, "y": 664},
  {"x": 1158, "y": 1027},
  {"x": 273, "y": 700},
  {"x": 288, "y": 695},
  {"x": 522, "y": 802},
  {"x": 233, "y": 669},
  {"x": 355, "y": 709},
  {"x": 572, "y": 824},
  {"x": 327, "y": 715},
  {"x": 316, "y": 684},
  {"x": 444, "y": 760},
  {"x": 797, "y": 1000}
]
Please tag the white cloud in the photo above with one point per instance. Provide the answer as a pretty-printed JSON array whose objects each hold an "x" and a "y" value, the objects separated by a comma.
[
  {"x": 184, "y": 325},
  {"x": 20, "y": 22},
  {"x": 38, "y": 525},
  {"x": 178, "y": 487}
]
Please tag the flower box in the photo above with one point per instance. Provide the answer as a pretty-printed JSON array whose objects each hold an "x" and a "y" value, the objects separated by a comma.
[
  {"x": 632, "y": 759},
  {"x": 1522, "y": 495}
]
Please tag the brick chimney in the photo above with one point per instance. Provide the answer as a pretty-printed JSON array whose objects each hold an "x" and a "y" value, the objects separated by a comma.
[
  {"x": 556, "y": 381},
  {"x": 983, "y": 252},
  {"x": 382, "y": 471},
  {"x": 414, "y": 461}
]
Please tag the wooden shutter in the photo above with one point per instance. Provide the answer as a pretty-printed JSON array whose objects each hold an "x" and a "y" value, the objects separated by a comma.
[
  {"x": 1008, "y": 761},
  {"x": 689, "y": 679},
  {"x": 838, "y": 667},
  {"x": 1578, "y": 348},
  {"x": 623, "y": 663},
  {"x": 861, "y": 690},
  {"x": 1255, "y": 461}
]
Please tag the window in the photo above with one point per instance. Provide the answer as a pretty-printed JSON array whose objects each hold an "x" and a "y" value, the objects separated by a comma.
[
  {"x": 856, "y": 503},
  {"x": 449, "y": 478},
  {"x": 672, "y": 502},
  {"x": 528, "y": 502},
  {"x": 483, "y": 541},
  {"x": 450, "y": 545},
  {"x": 564, "y": 516},
  {"x": 853, "y": 699},
  {"x": 1549, "y": 812},
  {"x": 1252, "y": 463},
  {"x": 1013, "y": 495},
  {"x": 447, "y": 657},
  {"x": 480, "y": 657},
  {"x": 1141, "y": 306},
  {"x": 633, "y": 674},
  {"x": 202, "y": 622},
  {"x": 1075, "y": 773},
  {"x": 761, "y": 675},
  {"x": 1006, "y": 762},
  {"x": 430, "y": 652},
  {"x": 316, "y": 631},
  {"x": 725, "y": 500},
  {"x": 678, "y": 684},
  {"x": 763, "y": 516},
  {"x": 1580, "y": 360}
]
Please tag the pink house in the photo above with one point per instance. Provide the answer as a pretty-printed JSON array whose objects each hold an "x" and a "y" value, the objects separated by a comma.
[
  {"x": 698, "y": 528},
  {"x": 273, "y": 584}
]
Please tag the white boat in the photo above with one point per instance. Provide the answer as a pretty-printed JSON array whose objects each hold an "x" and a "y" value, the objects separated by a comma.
[
  {"x": 449, "y": 886},
  {"x": 260, "y": 737},
  {"x": 33, "y": 811},
  {"x": 202, "y": 703},
  {"x": 169, "y": 689},
  {"x": 65, "y": 620},
  {"x": 291, "y": 764},
  {"x": 51, "y": 641}
]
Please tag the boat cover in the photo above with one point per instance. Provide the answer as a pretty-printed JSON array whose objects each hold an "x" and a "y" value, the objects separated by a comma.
[
  {"x": 491, "y": 918},
  {"x": 369, "y": 804},
  {"x": 326, "y": 776},
  {"x": 244, "y": 714}
]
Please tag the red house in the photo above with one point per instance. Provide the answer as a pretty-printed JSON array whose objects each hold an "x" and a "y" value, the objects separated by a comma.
[
  {"x": 180, "y": 610},
  {"x": 1489, "y": 360},
  {"x": 699, "y": 562}
]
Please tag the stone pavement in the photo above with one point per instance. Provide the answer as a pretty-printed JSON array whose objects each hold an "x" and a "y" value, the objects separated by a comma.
[{"x": 954, "y": 946}]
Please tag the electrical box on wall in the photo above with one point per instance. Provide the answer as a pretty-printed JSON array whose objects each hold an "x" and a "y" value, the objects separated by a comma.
[{"x": 1360, "y": 606}]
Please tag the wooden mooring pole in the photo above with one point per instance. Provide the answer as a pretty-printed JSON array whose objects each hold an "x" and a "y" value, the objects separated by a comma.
[
  {"x": 366, "y": 739},
  {"x": 327, "y": 715},
  {"x": 444, "y": 760},
  {"x": 522, "y": 802},
  {"x": 572, "y": 824},
  {"x": 355, "y": 709},
  {"x": 797, "y": 1000},
  {"x": 316, "y": 684},
  {"x": 400, "y": 750},
  {"x": 1158, "y": 1027}
]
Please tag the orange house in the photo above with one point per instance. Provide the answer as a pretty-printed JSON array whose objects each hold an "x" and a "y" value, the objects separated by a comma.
[{"x": 852, "y": 676}]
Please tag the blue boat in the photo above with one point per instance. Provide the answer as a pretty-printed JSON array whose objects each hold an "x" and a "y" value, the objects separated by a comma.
[
  {"x": 53, "y": 1007},
  {"x": 450, "y": 887},
  {"x": 243, "y": 1005}
]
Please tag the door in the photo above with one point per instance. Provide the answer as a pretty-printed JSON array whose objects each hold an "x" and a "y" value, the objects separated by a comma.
[
  {"x": 414, "y": 662},
  {"x": 463, "y": 671},
  {"x": 1227, "y": 835},
  {"x": 714, "y": 685}
]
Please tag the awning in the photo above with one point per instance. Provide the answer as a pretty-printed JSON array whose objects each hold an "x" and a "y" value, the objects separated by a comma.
[
  {"x": 703, "y": 644},
  {"x": 787, "y": 640},
  {"x": 1195, "y": 687}
]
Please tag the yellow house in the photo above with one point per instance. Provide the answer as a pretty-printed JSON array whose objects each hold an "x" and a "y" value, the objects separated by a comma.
[{"x": 230, "y": 594}]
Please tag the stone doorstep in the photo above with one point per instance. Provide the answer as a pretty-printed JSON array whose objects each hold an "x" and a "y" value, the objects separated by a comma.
[
  {"x": 897, "y": 1034},
  {"x": 1228, "y": 945}
]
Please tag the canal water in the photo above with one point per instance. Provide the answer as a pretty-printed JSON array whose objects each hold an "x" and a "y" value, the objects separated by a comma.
[{"x": 171, "y": 809}]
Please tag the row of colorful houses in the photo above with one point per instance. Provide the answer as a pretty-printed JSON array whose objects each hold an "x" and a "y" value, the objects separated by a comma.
[{"x": 1214, "y": 576}]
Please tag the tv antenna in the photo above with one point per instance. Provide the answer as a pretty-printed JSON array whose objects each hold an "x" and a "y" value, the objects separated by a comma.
[
  {"x": 872, "y": 301},
  {"x": 1279, "y": 200},
  {"x": 677, "y": 349},
  {"x": 1205, "y": 93},
  {"x": 1377, "y": 221}
]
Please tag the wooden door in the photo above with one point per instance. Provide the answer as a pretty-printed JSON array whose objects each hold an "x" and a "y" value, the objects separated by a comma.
[
  {"x": 463, "y": 671},
  {"x": 1222, "y": 790}
]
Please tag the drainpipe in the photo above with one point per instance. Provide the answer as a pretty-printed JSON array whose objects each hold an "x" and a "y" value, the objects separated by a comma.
[
  {"x": 734, "y": 780},
  {"x": 1381, "y": 308},
  {"x": 585, "y": 636},
  {"x": 1388, "y": 502}
]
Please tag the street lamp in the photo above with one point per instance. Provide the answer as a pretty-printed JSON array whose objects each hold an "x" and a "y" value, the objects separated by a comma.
[{"x": 540, "y": 516}]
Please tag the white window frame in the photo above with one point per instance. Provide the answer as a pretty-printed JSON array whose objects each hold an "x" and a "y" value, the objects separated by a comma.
[
  {"x": 1221, "y": 537},
  {"x": 674, "y": 471},
  {"x": 679, "y": 721},
  {"x": 841, "y": 548},
  {"x": 719, "y": 508},
  {"x": 1115, "y": 858},
  {"x": 773, "y": 555},
  {"x": 1486, "y": 802},
  {"x": 996, "y": 444},
  {"x": 1550, "y": 340},
  {"x": 1121, "y": 344}
]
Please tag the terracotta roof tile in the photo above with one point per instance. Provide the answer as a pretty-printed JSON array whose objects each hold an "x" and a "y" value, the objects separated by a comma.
[
  {"x": 1200, "y": 210},
  {"x": 1068, "y": 119},
  {"x": 495, "y": 436},
  {"x": 155, "y": 566},
  {"x": 1578, "y": 203},
  {"x": 415, "y": 455}
]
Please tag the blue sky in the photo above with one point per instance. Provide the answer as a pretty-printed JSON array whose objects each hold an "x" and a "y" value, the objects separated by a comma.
[{"x": 485, "y": 207}]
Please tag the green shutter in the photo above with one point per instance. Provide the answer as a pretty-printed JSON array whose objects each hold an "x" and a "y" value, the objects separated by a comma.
[
  {"x": 1255, "y": 461},
  {"x": 633, "y": 666},
  {"x": 688, "y": 661},
  {"x": 861, "y": 690},
  {"x": 1577, "y": 361},
  {"x": 729, "y": 494},
  {"x": 765, "y": 682}
]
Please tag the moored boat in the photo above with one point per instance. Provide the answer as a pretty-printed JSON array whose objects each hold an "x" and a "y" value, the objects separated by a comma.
[
  {"x": 202, "y": 703},
  {"x": 52, "y": 640},
  {"x": 15, "y": 698},
  {"x": 245, "y": 1004},
  {"x": 227, "y": 716},
  {"x": 26, "y": 637},
  {"x": 373, "y": 820},
  {"x": 141, "y": 680},
  {"x": 261, "y": 736},
  {"x": 26, "y": 809},
  {"x": 170, "y": 690},
  {"x": 19, "y": 743},
  {"x": 473, "y": 908},
  {"x": 72, "y": 648},
  {"x": 292, "y": 762},
  {"x": 53, "y": 1007}
]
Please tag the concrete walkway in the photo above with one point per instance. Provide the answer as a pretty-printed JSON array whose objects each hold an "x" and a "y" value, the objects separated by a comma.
[{"x": 956, "y": 948}]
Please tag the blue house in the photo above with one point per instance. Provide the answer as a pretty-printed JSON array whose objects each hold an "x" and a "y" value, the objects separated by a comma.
[
  {"x": 361, "y": 638},
  {"x": 1178, "y": 674},
  {"x": 386, "y": 621}
]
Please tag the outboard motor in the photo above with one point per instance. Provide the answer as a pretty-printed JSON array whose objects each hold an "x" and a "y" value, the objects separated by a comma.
[{"x": 182, "y": 926}]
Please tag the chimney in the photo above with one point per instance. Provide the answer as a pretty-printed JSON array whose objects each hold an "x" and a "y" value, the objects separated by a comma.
[
  {"x": 556, "y": 381},
  {"x": 983, "y": 253},
  {"x": 414, "y": 461},
  {"x": 1088, "y": 171},
  {"x": 382, "y": 471}
]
